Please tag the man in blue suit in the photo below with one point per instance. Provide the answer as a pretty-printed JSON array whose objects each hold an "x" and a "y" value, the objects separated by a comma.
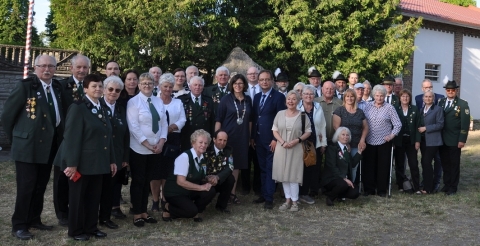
[
  {"x": 265, "y": 107},
  {"x": 437, "y": 166}
]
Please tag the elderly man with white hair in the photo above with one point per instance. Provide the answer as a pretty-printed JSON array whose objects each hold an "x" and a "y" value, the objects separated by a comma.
[
  {"x": 199, "y": 111},
  {"x": 217, "y": 91}
]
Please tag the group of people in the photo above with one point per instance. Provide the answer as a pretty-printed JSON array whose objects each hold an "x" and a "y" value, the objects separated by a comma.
[{"x": 159, "y": 127}]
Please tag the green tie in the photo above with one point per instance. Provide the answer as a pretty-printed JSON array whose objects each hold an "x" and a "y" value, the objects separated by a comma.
[
  {"x": 197, "y": 101},
  {"x": 155, "y": 116},
  {"x": 346, "y": 154},
  {"x": 80, "y": 89},
  {"x": 220, "y": 153},
  {"x": 51, "y": 107},
  {"x": 222, "y": 89}
]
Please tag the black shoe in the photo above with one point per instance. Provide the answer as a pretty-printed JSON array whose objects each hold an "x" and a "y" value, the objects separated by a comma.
[
  {"x": 198, "y": 219},
  {"x": 139, "y": 222},
  {"x": 22, "y": 234},
  {"x": 382, "y": 194},
  {"x": 444, "y": 189},
  {"x": 63, "y": 222},
  {"x": 222, "y": 210},
  {"x": 329, "y": 202},
  {"x": 99, "y": 234},
  {"x": 366, "y": 193},
  {"x": 109, "y": 224},
  {"x": 268, "y": 205},
  {"x": 40, "y": 226},
  {"x": 245, "y": 192},
  {"x": 450, "y": 192},
  {"x": 150, "y": 220},
  {"x": 81, "y": 237},
  {"x": 118, "y": 214},
  {"x": 259, "y": 200},
  {"x": 155, "y": 206}
]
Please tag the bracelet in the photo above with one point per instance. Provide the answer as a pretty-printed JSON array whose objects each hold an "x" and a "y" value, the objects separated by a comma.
[
  {"x": 299, "y": 140},
  {"x": 283, "y": 143}
]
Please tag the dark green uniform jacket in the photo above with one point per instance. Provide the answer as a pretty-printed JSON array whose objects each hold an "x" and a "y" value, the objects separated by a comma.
[
  {"x": 32, "y": 133},
  {"x": 88, "y": 141},
  {"x": 410, "y": 125},
  {"x": 457, "y": 121}
]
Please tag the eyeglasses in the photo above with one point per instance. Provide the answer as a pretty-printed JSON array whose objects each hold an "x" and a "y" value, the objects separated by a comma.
[
  {"x": 45, "y": 66},
  {"x": 111, "y": 89},
  {"x": 429, "y": 87},
  {"x": 451, "y": 90},
  {"x": 146, "y": 84},
  {"x": 308, "y": 94}
]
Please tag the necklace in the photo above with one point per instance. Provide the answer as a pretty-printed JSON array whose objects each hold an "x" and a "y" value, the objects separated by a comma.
[{"x": 239, "y": 120}]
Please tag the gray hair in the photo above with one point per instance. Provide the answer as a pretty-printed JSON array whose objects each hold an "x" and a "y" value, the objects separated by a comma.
[
  {"x": 427, "y": 80},
  {"x": 37, "y": 59},
  {"x": 339, "y": 131},
  {"x": 197, "y": 78},
  {"x": 429, "y": 92},
  {"x": 222, "y": 68},
  {"x": 401, "y": 80},
  {"x": 366, "y": 82},
  {"x": 310, "y": 88},
  {"x": 79, "y": 56},
  {"x": 379, "y": 88},
  {"x": 166, "y": 78},
  {"x": 299, "y": 84},
  {"x": 293, "y": 92},
  {"x": 145, "y": 76},
  {"x": 198, "y": 133},
  {"x": 113, "y": 79},
  {"x": 149, "y": 70}
]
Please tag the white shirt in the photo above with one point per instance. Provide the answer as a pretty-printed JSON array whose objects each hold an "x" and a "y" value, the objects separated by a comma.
[
  {"x": 319, "y": 90},
  {"x": 77, "y": 81},
  {"x": 250, "y": 90},
  {"x": 199, "y": 98},
  {"x": 139, "y": 119},
  {"x": 111, "y": 106},
  {"x": 55, "y": 104},
  {"x": 341, "y": 147},
  {"x": 216, "y": 149},
  {"x": 176, "y": 113},
  {"x": 182, "y": 164}
]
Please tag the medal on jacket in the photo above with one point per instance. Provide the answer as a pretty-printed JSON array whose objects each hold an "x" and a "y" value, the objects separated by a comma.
[{"x": 30, "y": 108}]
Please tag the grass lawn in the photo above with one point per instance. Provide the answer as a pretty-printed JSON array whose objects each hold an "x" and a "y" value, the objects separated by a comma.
[{"x": 401, "y": 220}]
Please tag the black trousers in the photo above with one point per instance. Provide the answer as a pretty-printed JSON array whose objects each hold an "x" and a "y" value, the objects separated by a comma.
[
  {"x": 311, "y": 183},
  {"x": 141, "y": 168},
  {"x": 225, "y": 189},
  {"x": 338, "y": 188},
  {"x": 106, "y": 199},
  {"x": 32, "y": 180},
  {"x": 450, "y": 156},
  {"x": 400, "y": 151},
  {"x": 189, "y": 206},
  {"x": 428, "y": 154},
  {"x": 376, "y": 168},
  {"x": 245, "y": 174},
  {"x": 84, "y": 200},
  {"x": 60, "y": 193}
]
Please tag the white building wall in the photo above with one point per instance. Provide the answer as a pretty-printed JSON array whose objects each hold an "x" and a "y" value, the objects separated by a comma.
[
  {"x": 470, "y": 87},
  {"x": 432, "y": 47}
]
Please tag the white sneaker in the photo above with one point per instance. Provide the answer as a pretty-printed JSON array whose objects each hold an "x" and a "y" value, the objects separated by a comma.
[
  {"x": 284, "y": 207},
  {"x": 294, "y": 208}
]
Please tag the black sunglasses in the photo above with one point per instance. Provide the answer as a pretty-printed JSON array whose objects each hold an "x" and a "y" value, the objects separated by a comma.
[{"x": 110, "y": 89}]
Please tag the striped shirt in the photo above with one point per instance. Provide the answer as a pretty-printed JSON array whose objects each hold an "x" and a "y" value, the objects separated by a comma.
[{"x": 382, "y": 121}]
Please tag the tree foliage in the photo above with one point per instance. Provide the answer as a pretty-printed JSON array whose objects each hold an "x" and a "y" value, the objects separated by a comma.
[
  {"x": 13, "y": 23},
  {"x": 464, "y": 3},
  {"x": 367, "y": 36}
]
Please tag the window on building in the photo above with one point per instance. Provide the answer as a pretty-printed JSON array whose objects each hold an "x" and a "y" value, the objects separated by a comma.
[{"x": 432, "y": 71}]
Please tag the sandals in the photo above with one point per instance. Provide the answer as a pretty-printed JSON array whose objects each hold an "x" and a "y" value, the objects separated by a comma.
[
  {"x": 150, "y": 220},
  {"x": 421, "y": 192},
  {"x": 139, "y": 222},
  {"x": 165, "y": 210},
  {"x": 234, "y": 199},
  {"x": 155, "y": 206}
]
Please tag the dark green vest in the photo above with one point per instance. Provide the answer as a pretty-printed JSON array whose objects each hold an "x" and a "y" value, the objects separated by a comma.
[{"x": 194, "y": 176}]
